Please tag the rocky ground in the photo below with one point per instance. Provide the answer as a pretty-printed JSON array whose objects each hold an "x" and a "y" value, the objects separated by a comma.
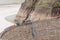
[
  {"x": 42, "y": 26},
  {"x": 45, "y": 30}
]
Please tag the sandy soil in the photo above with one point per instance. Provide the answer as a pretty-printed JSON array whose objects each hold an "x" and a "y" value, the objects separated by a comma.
[{"x": 46, "y": 29}]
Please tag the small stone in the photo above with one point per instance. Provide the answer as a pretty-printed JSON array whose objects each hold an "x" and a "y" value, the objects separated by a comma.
[
  {"x": 27, "y": 22},
  {"x": 17, "y": 24}
]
